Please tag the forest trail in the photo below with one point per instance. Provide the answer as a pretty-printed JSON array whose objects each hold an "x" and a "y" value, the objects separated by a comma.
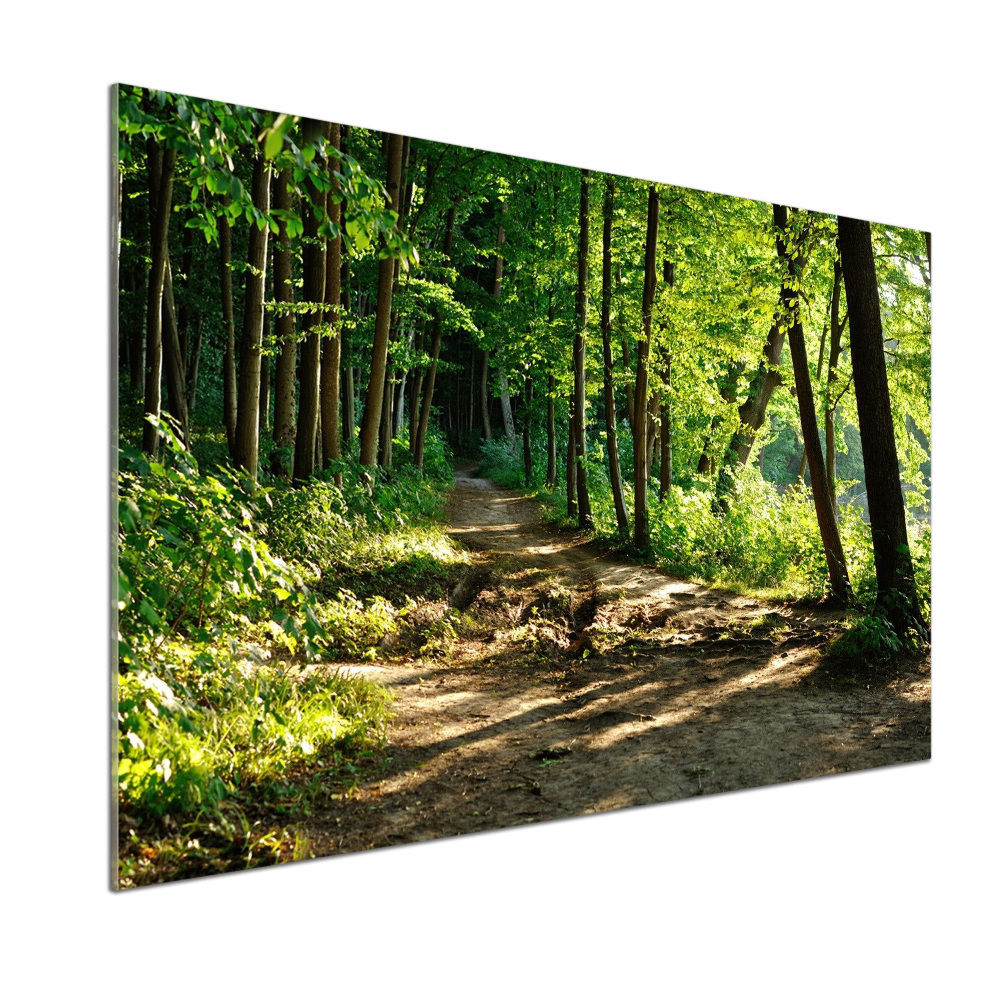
[{"x": 557, "y": 681}]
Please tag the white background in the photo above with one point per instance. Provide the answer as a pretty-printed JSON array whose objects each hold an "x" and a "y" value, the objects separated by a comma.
[{"x": 875, "y": 884}]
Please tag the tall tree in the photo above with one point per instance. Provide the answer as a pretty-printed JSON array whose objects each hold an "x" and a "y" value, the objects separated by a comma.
[
  {"x": 161, "y": 183},
  {"x": 425, "y": 406},
  {"x": 383, "y": 312},
  {"x": 837, "y": 326},
  {"x": 610, "y": 420},
  {"x": 897, "y": 595},
  {"x": 229, "y": 388},
  {"x": 248, "y": 403},
  {"x": 641, "y": 477},
  {"x": 314, "y": 290},
  {"x": 283, "y": 432},
  {"x": 790, "y": 250},
  {"x": 580, "y": 356},
  {"x": 330, "y": 363}
]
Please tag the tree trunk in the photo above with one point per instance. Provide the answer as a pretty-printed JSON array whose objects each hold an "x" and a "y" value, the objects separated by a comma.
[
  {"x": 526, "y": 432},
  {"x": 383, "y": 313},
  {"x": 626, "y": 364},
  {"x": 248, "y": 404},
  {"x": 610, "y": 421},
  {"x": 580, "y": 355},
  {"x": 229, "y": 389},
  {"x": 347, "y": 424},
  {"x": 173, "y": 356},
  {"x": 641, "y": 477},
  {"x": 484, "y": 396},
  {"x": 283, "y": 433},
  {"x": 571, "y": 500},
  {"x": 837, "y": 326},
  {"x": 791, "y": 293},
  {"x": 161, "y": 186},
  {"x": 425, "y": 407},
  {"x": 666, "y": 434},
  {"x": 194, "y": 359},
  {"x": 314, "y": 291},
  {"x": 330, "y": 364},
  {"x": 897, "y": 596},
  {"x": 505, "y": 410},
  {"x": 550, "y": 435}
]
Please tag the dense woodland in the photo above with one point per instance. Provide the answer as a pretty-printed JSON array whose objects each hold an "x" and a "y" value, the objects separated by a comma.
[{"x": 316, "y": 320}]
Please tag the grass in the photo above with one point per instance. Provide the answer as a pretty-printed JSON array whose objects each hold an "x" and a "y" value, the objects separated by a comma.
[{"x": 229, "y": 731}]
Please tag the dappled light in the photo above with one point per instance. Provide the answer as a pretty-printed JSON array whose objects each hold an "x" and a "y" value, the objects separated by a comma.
[{"x": 458, "y": 490}]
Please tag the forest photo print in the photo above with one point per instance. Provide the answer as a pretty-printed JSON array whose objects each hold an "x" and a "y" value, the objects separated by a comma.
[{"x": 460, "y": 491}]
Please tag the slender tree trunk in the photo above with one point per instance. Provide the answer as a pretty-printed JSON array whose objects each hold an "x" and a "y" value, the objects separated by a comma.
[
  {"x": 347, "y": 424},
  {"x": 283, "y": 433},
  {"x": 550, "y": 435},
  {"x": 314, "y": 291},
  {"x": 837, "y": 326},
  {"x": 610, "y": 420},
  {"x": 425, "y": 408},
  {"x": 580, "y": 355},
  {"x": 505, "y": 410},
  {"x": 791, "y": 293},
  {"x": 571, "y": 463},
  {"x": 526, "y": 432},
  {"x": 383, "y": 313},
  {"x": 754, "y": 409},
  {"x": 248, "y": 403},
  {"x": 666, "y": 433},
  {"x": 229, "y": 388},
  {"x": 194, "y": 360},
  {"x": 897, "y": 595},
  {"x": 161, "y": 185},
  {"x": 173, "y": 357},
  {"x": 484, "y": 396},
  {"x": 330, "y": 364},
  {"x": 642, "y": 372},
  {"x": 626, "y": 364}
]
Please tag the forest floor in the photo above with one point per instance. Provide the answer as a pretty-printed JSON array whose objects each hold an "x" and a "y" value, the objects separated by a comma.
[{"x": 558, "y": 681}]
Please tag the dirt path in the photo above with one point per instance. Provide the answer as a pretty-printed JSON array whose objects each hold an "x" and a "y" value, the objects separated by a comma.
[{"x": 559, "y": 682}]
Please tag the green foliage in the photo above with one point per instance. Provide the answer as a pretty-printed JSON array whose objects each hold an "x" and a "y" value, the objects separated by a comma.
[
  {"x": 189, "y": 740},
  {"x": 190, "y": 558}
]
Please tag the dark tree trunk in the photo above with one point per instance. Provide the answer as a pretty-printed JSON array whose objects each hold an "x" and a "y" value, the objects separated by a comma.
[
  {"x": 194, "y": 360},
  {"x": 383, "y": 314},
  {"x": 283, "y": 433},
  {"x": 330, "y": 364},
  {"x": 526, "y": 432},
  {"x": 580, "y": 355},
  {"x": 610, "y": 420},
  {"x": 666, "y": 434},
  {"x": 161, "y": 185},
  {"x": 571, "y": 500},
  {"x": 790, "y": 294},
  {"x": 248, "y": 404},
  {"x": 550, "y": 434},
  {"x": 484, "y": 396},
  {"x": 641, "y": 477},
  {"x": 173, "y": 357},
  {"x": 347, "y": 424},
  {"x": 229, "y": 388},
  {"x": 897, "y": 596}
]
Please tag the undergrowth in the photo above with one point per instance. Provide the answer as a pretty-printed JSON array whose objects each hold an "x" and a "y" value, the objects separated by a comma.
[
  {"x": 231, "y": 595},
  {"x": 767, "y": 545}
]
